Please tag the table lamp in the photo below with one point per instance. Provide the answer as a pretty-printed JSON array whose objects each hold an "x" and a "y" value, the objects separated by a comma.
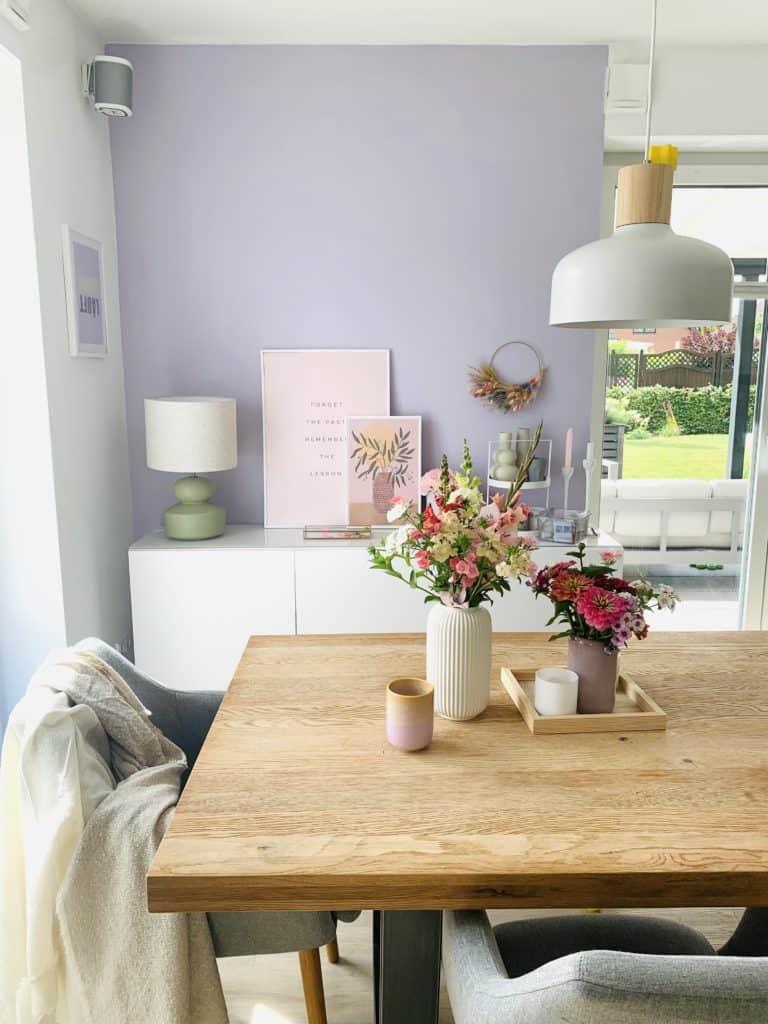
[{"x": 192, "y": 435}]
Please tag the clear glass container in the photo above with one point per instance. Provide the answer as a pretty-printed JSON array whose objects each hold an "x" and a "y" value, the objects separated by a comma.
[{"x": 563, "y": 526}]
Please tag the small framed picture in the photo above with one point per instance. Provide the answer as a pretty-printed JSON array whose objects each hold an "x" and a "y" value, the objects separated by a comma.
[
  {"x": 383, "y": 462},
  {"x": 84, "y": 286}
]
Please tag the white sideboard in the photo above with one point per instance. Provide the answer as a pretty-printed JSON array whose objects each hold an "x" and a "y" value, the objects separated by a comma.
[{"x": 195, "y": 603}]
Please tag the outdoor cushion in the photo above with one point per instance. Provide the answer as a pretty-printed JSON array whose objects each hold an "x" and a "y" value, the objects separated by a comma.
[{"x": 638, "y": 523}]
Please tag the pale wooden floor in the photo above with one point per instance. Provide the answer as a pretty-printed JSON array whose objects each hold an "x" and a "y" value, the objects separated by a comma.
[{"x": 267, "y": 989}]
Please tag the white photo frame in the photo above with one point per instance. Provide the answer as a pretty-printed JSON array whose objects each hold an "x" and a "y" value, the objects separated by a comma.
[
  {"x": 305, "y": 396},
  {"x": 84, "y": 293}
]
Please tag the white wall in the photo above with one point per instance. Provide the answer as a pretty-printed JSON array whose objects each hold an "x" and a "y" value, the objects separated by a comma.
[
  {"x": 705, "y": 97},
  {"x": 71, "y": 183},
  {"x": 31, "y": 596}
]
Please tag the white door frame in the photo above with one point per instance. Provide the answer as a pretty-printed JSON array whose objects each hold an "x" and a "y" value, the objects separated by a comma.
[
  {"x": 753, "y": 593},
  {"x": 754, "y": 577}
]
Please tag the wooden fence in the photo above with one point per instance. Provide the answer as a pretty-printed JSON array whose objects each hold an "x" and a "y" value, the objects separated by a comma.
[{"x": 679, "y": 368}]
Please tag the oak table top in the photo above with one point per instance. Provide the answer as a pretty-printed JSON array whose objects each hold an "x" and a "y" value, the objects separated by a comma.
[{"x": 297, "y": 802}]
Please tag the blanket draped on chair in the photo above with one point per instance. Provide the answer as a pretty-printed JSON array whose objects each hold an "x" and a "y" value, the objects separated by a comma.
[{"x": 117, "y": 962}]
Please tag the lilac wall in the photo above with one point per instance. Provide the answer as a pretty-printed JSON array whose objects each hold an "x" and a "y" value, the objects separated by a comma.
[{"x": 415, "y": 198}]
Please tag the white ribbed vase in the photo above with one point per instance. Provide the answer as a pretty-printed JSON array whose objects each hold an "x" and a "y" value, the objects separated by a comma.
[{"x": 459, "y": 660}]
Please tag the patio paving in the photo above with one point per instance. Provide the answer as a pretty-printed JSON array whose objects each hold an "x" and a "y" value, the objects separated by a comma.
[{"x": 708, "y": 600}]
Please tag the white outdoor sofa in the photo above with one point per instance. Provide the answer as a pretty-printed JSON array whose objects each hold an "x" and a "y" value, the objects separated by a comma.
[{"x": 675, "y": 521}]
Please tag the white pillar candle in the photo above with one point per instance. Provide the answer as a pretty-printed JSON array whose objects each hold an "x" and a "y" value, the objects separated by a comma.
[
  {"x": 568, "y": 461},
  {"x": 556, "y": 691}
]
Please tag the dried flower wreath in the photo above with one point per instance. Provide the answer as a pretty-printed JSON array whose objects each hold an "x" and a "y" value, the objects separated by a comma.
[{"x": 487, "y": 385}]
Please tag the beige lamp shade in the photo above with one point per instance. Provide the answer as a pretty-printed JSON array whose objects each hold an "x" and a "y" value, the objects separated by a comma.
[{"x": 191, "y": 434}]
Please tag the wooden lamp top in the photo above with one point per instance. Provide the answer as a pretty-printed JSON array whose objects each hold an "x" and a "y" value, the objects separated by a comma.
[{"x": 644, "y": 194}]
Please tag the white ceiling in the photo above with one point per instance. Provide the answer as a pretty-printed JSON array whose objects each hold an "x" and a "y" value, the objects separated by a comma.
[{"x": 680, "y": 22}]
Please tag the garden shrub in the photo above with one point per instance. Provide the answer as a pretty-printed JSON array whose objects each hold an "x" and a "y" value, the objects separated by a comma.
[
  {"x": 697, "y": 410},
  {"x": 617, "y": 411}
]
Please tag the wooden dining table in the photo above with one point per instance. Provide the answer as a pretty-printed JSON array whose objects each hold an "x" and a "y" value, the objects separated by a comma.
[{"x": 297, "y": 801}]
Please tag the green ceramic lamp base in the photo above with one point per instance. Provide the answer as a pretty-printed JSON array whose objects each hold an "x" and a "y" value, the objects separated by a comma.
[{"x": 195, "y": 517}]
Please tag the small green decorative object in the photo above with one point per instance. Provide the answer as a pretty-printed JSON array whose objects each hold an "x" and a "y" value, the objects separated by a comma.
[{"x": 195, "y": 517}]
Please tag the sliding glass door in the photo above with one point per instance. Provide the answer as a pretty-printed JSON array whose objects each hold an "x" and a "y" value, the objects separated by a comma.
[{"x": 684, "y": 413}]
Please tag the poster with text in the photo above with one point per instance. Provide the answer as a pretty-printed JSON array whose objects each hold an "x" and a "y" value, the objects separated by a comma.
[
  {"x": 383, "y": 462},
  {"x": 306, "y": 396}
]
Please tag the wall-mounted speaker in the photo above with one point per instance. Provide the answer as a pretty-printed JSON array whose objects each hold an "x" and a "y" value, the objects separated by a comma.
[{"x": 108, "y": 81}]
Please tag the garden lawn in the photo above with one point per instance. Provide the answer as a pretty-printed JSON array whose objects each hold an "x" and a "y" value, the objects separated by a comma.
[{"x": 687, "y": 457}]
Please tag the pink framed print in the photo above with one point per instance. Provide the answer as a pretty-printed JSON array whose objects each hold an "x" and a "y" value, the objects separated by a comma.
[
  {"x": 306, "y": 395},
  {"x": 383, "y": 462}
]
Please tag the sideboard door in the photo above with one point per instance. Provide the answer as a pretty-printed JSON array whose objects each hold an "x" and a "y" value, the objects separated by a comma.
[{"x": 193, "y": 610}]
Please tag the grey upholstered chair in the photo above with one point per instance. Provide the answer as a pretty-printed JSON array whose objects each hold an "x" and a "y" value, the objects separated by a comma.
[
  {"x": 185, "y": 717},
  {"x": 595, "y": 969}
]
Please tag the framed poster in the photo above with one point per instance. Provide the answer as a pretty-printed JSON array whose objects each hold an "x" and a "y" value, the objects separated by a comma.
[
  {"x": 383, "y": 462},
  {"x": 84, "y": 287},
  {"x": 306, "y": 395}
]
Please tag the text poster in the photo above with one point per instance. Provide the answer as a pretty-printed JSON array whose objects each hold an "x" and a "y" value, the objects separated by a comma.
[{"x": 306, "y": 396}]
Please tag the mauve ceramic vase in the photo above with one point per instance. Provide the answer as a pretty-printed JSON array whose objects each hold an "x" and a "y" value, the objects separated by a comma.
[
  {"x": 459, "y": 660},
  {"x": 598, "y": 673}
]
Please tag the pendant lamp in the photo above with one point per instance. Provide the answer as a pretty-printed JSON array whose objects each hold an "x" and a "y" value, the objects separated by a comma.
[{"x": 644, "y": 275}]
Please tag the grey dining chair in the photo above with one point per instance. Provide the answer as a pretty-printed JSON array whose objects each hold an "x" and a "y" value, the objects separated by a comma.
[
  {"x": 595, "y": 969},
  {"x": 185, "y": 716}
]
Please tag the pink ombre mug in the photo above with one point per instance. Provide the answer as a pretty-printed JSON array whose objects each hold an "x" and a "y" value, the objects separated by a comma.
[{"x": 410, "y": 713}]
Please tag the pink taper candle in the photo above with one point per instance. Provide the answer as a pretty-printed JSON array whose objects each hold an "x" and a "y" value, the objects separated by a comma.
[{"x": 568, "y": 448}]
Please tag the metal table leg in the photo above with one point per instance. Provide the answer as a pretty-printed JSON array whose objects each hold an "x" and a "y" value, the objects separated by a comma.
[{"x": 407, "y": 966}]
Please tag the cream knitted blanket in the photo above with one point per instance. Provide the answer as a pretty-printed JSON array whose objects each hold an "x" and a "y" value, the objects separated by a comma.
[{"x": 121, "y": 963}]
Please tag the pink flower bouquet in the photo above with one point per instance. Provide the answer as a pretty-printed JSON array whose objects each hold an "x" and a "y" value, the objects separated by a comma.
[
  {"x": 593, "y": 604},
  {"x": 461, "y": 549}
]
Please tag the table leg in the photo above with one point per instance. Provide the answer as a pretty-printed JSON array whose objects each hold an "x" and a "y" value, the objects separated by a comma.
[
  {"x": 407, "y": 966},
  {"x": 376, "y": 963}
]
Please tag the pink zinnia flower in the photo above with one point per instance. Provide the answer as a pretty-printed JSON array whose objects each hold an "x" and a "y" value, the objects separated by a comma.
[
  {"x": 601, "y": 609},
  {"x": 609, "y": 557}
]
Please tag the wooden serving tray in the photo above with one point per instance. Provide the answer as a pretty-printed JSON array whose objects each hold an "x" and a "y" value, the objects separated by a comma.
[{"x": 635, "y": 711}]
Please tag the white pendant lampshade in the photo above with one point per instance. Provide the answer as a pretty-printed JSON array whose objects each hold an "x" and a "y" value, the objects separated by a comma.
[
  {"x": 191, "y": 434},
  {"x": 644, "y": 275}
]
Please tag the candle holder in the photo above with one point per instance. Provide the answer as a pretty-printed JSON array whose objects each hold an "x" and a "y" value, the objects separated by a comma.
[
  {"x": 567, "y": 472},
  {"x": 589, "y": 468}
]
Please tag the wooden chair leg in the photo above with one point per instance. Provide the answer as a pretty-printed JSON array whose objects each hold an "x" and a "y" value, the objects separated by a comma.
[
  {"x": 312, "y": 982},
  {"x": 332, "y": 951}
]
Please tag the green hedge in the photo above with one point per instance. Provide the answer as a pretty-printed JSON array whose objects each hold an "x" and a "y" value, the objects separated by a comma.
[{"x": 697, "y": 410}]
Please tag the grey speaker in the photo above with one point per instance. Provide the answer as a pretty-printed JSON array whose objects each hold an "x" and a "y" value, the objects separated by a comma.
[{"x": 109, "y": 83}]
